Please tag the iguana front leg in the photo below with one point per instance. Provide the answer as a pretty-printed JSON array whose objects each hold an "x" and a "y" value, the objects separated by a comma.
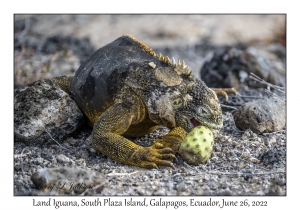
[
  {"x": 224, "y": 91},
  {"x": 106, "y": 137}
]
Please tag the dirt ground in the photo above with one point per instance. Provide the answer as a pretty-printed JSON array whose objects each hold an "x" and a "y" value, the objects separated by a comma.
[{"x": 51, "y": 45}]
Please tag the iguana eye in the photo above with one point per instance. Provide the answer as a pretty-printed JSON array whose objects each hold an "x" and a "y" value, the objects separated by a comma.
[
  {"x": 177, "y": 102},
  {"x": 202, "y": 111}
]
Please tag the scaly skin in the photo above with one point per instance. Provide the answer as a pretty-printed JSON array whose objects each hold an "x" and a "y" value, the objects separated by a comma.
[{"x": 126, "y": 90}]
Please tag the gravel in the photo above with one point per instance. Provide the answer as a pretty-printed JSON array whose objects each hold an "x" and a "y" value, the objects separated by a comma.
[{"x": 227, "y": 172}]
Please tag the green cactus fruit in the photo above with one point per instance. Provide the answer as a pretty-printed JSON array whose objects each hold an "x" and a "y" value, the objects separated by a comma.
[{"x": 198, "y": 146}]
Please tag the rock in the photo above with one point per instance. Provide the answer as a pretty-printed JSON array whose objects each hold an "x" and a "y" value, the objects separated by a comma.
[
  {"x": 62, "y": 158},
  {"x": 261, "y": 116},
  {"x": 181, "y": 187},
  {"x": 212, "y": 184},
  {"x": 225, "y": 185},
  {"x": 82, "y": 162},
  {"x": 254, "y": 160},
  {"x": 18, "y": 167},
  {"x": 272, "y": 157},
  {"x": 224, "y": 193},
  {"x": 281, "y": 182},
  {"x": 160, "y": 192},
  {"x": 39, "y": 161},
  {"x": 48, "y": 157},
  {"x": 43, "y": 107},
  {"x": 272, "y": 140},
  {"x": 231, "y": 67},
  {"x": 92, "y": 150},
  {"x": 62, "y": 179},
  {"x": 247, "y": 174},
  {"x": 245, "y": 154}
]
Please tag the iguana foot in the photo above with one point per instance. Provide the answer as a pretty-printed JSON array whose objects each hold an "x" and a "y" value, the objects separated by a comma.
[
  {"x": 161, "y": 152},
  {"x": 224, "y": 91},
  {"x": 151, "y": 157},
  {"x": 173, "y": 139}
]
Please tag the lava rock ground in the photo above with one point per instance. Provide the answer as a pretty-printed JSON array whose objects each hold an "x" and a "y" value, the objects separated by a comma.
[{"x": 233, "y": 169}]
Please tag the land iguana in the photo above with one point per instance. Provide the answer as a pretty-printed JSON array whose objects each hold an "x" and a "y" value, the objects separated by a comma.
[{"x": 127, "y": 90}]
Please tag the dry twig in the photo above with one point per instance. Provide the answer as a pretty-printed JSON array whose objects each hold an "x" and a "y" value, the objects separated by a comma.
[
  {"x": 230, "y": 107},
  {"x": 258, "y": 79},
  {"x": 57, "y": 142}
]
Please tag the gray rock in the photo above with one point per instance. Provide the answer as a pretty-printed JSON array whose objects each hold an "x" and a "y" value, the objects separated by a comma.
[
  {"x": 68, "y": 180},
  {"x": 62, "y": 158},
  {"x": 231, "y": 67},
  {"x": 40, "y": 161},
  {"x": 160, "y": 192},
  {"x": 225, "y": 192},
  {"x": 225, "y": 185},
  {"x": 83, "y": 163},
  {"x": 17, "y": 167},
  {"x": 181, "y": 187},
  {"x": 43, "y": 107},
  {"x": 281, "y": 181},
  {"x": 264, "y": 115},
  {"x": 212, "y": 184}
]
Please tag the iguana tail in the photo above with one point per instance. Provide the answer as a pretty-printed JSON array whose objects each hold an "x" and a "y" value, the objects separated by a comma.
[{"x": 64, "y": 82}]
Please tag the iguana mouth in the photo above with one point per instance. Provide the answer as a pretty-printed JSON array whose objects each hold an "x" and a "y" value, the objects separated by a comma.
[{"x": 194, "y": 122}]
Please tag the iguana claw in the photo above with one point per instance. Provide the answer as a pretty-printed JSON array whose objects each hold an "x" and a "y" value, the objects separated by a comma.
[{"x": 224, "y": 91}]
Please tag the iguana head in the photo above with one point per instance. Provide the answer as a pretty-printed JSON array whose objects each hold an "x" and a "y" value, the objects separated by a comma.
[
  {"x": 183, "y": 100},
  {"x": 198, "y": 105}
]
